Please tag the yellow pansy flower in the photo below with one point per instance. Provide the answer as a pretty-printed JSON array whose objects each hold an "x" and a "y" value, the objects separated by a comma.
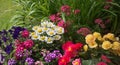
[
  {"x": 93, "y": 45},
  {"x": 116, "y": 45},
  {"x": 106, "y": 45},
  {"x": 90, "y": 38},
  {"x": 98, "y": 36},
  {"x": 109, "y": 36}
]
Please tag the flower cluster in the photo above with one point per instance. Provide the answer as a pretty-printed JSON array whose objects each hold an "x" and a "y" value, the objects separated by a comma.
[
  {"x": 47, "y": 32},
  {"x": 70, "y": 51},
  {"x": 107, "y": 42},
  {"x": 22, "y": 48},
  {"x": 29, "y": 61},
  {"x": 53, "y": 55},
  {"x": 12, "y": 62}
]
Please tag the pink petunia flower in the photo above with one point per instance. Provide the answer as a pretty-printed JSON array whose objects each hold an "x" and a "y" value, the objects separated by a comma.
[{"x": 77, "y": 62}]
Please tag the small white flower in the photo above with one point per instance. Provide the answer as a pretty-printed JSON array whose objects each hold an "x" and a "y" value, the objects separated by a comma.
[
  {"x": 45, "y": 29},
  {"x": 35, "y": 28},
  {"x": 33, "y": 33},
  {"x": 50, "y": 24},
  {"x": 51, "y": 32},
  {"x": 57, "y": 37},
  {"x": 43, "y": 38},
  {"x": 49, "y": 40},
  {"x": 60, "y": 30},
  {"x": 39, "y": 30},
  {"x": 44, "y": 24},
  {"x": 35, "y": 37}
]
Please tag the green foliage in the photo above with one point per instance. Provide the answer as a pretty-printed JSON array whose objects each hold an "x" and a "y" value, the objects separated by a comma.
[{"x": 7, "y": 10}]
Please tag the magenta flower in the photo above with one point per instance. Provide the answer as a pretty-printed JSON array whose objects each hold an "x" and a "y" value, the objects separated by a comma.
[
  {"x": 101, "y": 63},
  {"x": 28, "y": 44},
  {"x": 84, "y": 31},
  {"x": 105, "y": 58},
  {"x": 76, "y": 11},
  {"x": 77, "y": 62},
  {"x": 100, "y": 22},
  {"x": 66, "y": 9},
  {"x": 54, "y": 18},
  {"x": 61, "y": 23},
  {"x": 25, "y": 33}
]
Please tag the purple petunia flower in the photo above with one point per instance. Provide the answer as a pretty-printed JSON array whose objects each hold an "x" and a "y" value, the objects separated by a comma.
[
  {"x": 11, "y": 62},
  {"x": 29, "y": 61},
  {"x": 8, "y": 49}
]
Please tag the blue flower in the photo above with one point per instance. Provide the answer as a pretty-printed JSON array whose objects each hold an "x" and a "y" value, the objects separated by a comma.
[
  {"x": 16, "y": 31},
  {"x": 8, "y": 49},
  {"x": 4, "y": 38}
]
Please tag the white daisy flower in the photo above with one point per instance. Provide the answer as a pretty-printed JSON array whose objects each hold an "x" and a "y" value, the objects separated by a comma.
[
  {"x": 44, "y": 24},
  {"x": 35, "y": 28},
  {"x": 50, "y": 24},
  {"x": 45, "y": 29},
  {"x": 59, "y": 30},
  {"x": 57, "y": 37},
  {"x": 35, "y": 37},
  {"x": 51, "y": 32},
  {"x": 39, "y": 30},
  {"x": 33, "y": 33},
  {"x": 43, "y": 38},
  {"x": 49, "y": 40}
]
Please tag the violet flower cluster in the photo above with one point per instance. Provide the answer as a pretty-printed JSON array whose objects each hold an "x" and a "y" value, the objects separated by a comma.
[
  {"x": 11, "y": 62},
  {"x": 29, "y": 61},
  {"x": 53, "y": 55}
]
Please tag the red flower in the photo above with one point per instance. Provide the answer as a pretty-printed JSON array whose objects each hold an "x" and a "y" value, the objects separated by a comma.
[
  {"x": 25, "y": 33},
  {"x": 64, "y": 60},
  {"x": 28, "y": 44},
  {"x": 78, "y": 46},
  {"x": 76, "y": 11},
  {"x": 101, "y": 63},
  {"x": 67, "y": 46},
  {"x": 105, "y": 58}
]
